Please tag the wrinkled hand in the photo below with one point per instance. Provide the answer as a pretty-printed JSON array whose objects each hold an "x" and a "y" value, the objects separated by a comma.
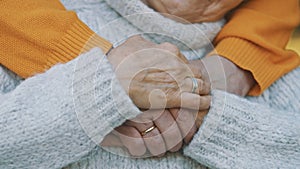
[
  {"x": 157, "y": 75},
  {"x": 173, "y": 128},
  {"x": 194, "y": 11},
  {"x": 224, "y": 74}
]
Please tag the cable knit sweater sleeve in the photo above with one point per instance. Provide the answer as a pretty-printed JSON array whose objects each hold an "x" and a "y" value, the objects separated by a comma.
[
  {"x": 255, "y": 38},
  {"x": 240, "y": 134},
  {"x": 55, "y": 118},
  {"x": 37, "y": 34}
]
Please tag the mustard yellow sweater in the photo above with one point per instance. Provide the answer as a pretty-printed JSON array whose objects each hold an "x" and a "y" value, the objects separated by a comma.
[{"x": 37, "y": 34}]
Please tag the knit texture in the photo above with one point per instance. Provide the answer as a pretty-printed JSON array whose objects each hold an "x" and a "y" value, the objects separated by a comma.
[
  {"x": 248, "y": 45},
  {"x": 257, "y": 132},
  {"x": 194, "y": 40},
  {"x": 115, "y": 28},
  {"x": 255, "y": 39},
  {"x": 39, "y": 34},
  {"x": 242, "y": 134},
  {"x": 162, "y": 29},
  {"x": 237, "y": 133},
  {"x": 47, "y": 121}
]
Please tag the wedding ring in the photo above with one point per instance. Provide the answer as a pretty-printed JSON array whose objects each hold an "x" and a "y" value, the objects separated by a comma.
[
  {"x": 147, "y": 130},
  {"x": 195, "y": 84}
]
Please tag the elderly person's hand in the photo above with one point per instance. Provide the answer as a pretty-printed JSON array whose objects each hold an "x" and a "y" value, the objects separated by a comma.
[
  {"x": 194, "y": 10},
  {"x": 157, "y": 131},
  {"x": 157, "y": 76},
  {"x": 224, "y": 74}
]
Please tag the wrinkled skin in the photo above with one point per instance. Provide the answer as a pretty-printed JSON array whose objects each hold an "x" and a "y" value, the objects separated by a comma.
[
  {"x": 223, "y": 75},
  {"x": 174, "y": 127},
  {"x": 157, "y": 75},
  {"x": 194, "y": 11}
]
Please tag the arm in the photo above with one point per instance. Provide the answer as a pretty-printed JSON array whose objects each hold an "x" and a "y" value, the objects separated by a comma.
[
  {"x": 37, "y": 34},
  {"x": 46, "y": 34},
  {"x": 53, "y": 119},
  {"x": 237, "y": 133},
  {"x": 255, "y": 38},
  {"x": 223, "y": 74}
]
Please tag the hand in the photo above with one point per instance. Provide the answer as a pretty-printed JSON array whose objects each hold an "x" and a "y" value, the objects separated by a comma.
[
  {"x": 172, "y": 129},
  {"x": 224, "y": 74},
  {"x": 194, "y": 11},
  {"x": 157, "y": 75}
]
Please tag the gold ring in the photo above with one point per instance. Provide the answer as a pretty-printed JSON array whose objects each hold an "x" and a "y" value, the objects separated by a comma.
[{"x": 147, "y": 130}]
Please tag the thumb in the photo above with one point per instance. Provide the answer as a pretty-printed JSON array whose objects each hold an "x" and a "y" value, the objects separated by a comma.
[{"x": 111, "y": 140}]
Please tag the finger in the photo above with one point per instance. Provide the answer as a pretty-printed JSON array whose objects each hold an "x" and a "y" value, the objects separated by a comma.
[
  {"x": 202, "y": 87},
  {"x": 135, "y": 38},
  {"x": 193, "y": 101},
  {"x": 170, "y": 131},
  {"x": 169, "y": 47},
  {"x": 111, "y": 140},
  {"x": 145, "y": 120},
  {"x": 145, "y": 2},
  {"x": 155, "y": 143},
  {"x": 174, "y": 50},
  {"x": 153, "y": 139},
  {"x": 196, "y": 73},
  {"x": 218, "y": 10},
  {"x": 185, "y": 120},
  {"x": 200, "y": 116},
  {"x": 136, "y": 41},
  {"x": 157, "y": 5},
  {"x": 132, "y": 140},
  {"x": 142, "y": 122}
]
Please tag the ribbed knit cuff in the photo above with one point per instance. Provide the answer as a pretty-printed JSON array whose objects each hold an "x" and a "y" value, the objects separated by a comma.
[
  {"x": 256, "y": 60},
  {"x": 58, "y": 117},
  {"x": 100, "y": 102},
  {"x": 78, "y": 39},
  {"x": 237, "y": 133}
]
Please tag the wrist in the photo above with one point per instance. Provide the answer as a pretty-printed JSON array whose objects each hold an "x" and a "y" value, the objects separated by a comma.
[
  {"x": 113, "y": 58},
  {"x": 239, "y": 81},
  {"x": 224, "y": 75}
]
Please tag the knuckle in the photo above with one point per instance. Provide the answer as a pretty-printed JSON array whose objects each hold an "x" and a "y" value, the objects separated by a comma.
[
  {"x": 207, "y": 86},
  {"x": 135, "y": 37},
  {"x": 133, "y": 132},
  {"x": 201, "y": 85},
  {"x": 171, "y": 47},
  {"x": 206, "y": 102},
  {"x": 176, "y": 148}
]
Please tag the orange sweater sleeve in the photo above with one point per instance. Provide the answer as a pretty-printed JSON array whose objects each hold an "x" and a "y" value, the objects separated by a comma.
[
  {"x": 36, "y": 34},
  {"x": 255, "y": 38}
]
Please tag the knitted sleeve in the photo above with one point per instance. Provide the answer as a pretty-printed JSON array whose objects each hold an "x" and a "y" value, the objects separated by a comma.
[
  {"x": 56, "y": 118},
  {"x": 255, "y": 38},
  {"x": 237, "y": 133},
  {"x": 37, "y": 34}
]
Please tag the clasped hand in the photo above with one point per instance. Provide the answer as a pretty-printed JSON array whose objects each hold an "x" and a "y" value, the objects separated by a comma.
[
  {"x": 157, "y": 77},
  {"x": 171, "y": 129}
]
